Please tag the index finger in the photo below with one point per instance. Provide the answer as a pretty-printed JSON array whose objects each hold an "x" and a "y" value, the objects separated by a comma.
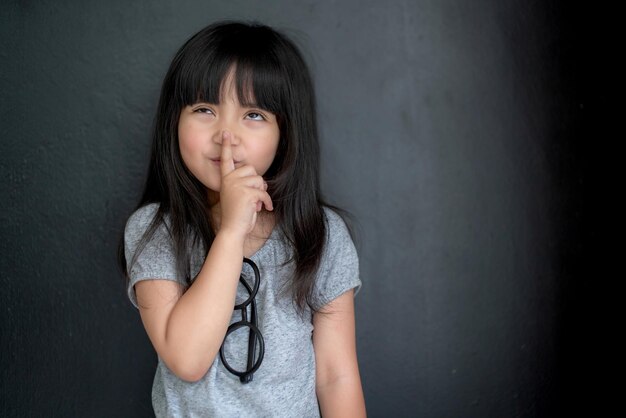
[{"x": 227, "y": 164}]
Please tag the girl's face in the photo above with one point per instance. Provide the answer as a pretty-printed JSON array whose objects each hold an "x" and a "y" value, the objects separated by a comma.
[{"x": 254, "y": 134}]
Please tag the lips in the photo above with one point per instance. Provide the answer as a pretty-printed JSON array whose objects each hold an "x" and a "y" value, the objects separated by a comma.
[{"x": 218, "y": 161}]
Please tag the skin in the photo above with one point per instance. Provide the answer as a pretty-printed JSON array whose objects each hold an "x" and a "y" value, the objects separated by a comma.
[{"x": 229, "y": 147}]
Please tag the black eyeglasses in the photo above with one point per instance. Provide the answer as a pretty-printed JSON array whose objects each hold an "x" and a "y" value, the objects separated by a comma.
[{"x": 255, "y": 333}]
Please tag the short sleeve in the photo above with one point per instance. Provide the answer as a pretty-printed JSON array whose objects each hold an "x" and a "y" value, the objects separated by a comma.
[
  {"x": 339, "y": 268},
  {"x": 156, "y": 260}
]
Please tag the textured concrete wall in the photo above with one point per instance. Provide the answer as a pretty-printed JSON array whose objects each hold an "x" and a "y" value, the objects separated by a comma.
[{"x": 447, "y": 131}]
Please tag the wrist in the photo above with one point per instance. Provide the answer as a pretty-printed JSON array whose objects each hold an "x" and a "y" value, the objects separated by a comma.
[{"x": 230, "y": 237}]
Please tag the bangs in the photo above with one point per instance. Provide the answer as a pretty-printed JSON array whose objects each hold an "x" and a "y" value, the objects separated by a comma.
[{"x": 260, "y": 80}]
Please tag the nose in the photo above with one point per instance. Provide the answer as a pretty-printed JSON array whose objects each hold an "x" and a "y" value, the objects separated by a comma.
[{"x": 220, "y": 135}]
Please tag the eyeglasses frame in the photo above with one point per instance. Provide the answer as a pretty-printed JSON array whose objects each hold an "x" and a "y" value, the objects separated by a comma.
[{"x": 255, "y": 333}]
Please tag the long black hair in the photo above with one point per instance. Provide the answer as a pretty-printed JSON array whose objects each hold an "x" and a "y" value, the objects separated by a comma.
[{"x": 271, "y": 73}]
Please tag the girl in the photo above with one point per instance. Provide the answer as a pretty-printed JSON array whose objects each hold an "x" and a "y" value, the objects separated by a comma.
[{"x": 233, "y": 177}]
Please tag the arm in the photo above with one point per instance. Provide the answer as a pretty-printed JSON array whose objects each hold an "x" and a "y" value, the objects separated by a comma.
[
  {"x": 187, "y": 329},
  {"x": 338, "y": 383}
]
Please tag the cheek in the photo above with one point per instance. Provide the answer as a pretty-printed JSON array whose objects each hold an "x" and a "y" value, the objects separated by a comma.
[
  {"x": 269, "y": 151},
  {"x": 262, "y": 153},
  {"x": 182, "y": 139},
  {"x": 273, "y": 144},
  {"x": 185, "y": 151},
  {"x": 188, "y": 145}
]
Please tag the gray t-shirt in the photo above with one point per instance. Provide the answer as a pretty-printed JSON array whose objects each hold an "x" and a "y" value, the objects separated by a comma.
[{"x": 284, "y": 385}]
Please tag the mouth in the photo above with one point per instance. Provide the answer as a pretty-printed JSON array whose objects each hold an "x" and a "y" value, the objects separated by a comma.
[{"x": 219, "y": 161}]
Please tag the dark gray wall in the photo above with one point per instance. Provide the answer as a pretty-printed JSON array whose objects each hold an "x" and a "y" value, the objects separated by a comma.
[{"x": 448, "y": 129}]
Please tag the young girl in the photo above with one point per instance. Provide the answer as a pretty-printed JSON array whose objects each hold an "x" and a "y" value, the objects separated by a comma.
[{"x": 243, "y": 277}]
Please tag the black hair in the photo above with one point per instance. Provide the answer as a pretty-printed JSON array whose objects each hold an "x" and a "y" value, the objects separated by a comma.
[{"x": 271, "y": 73}]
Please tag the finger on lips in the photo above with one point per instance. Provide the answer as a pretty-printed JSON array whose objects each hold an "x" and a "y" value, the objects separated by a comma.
[
  {"x": 247, "y": 173},
  {"x": 227, "y": 165}
]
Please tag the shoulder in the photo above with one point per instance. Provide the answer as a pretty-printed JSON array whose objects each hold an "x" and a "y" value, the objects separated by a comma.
[
  {"x": 339, "y": 266},
  {"x": 337, "y": 233},
  {"x": 339, "y": 243},
  {"x": 332, "y": 216},
  {"x": 144, "y": 214},
  {"x": 143, "y": 238},
  {"x": 139, "y": 222},
  {"x": 141, "y": 218}
]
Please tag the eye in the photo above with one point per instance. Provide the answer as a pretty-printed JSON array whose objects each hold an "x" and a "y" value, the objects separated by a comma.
[
  {"x": 255, "y": 116},
  {"x": 204, "y": 110}
]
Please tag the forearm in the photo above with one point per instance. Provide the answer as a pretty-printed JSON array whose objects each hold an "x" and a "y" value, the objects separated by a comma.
[
  {"x": 341, "y": 397},
  {"x": 198, "y": 323}
]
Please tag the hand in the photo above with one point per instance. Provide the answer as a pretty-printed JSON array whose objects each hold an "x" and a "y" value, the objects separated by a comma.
[{"x": 243, "y": 193}]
